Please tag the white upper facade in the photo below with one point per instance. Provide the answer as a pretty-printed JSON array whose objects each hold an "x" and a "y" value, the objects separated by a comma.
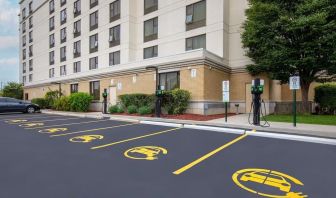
[{"x": 222, "y": 28}]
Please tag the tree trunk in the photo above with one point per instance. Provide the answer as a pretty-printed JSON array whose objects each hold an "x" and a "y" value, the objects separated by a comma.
[{"x": 304, "y": 96}]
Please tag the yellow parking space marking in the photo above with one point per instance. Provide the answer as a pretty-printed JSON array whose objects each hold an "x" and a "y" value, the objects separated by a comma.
[
  {"x": 280, "y": 185},
  {"x": 29, "y": 125},
  {"x": 194, "y": 163},
  {"x": 86, "y": 138},
  {"x": 16, "y": 121},
  {"x": 90, "y": 130},
  {"x": 145, "y": 152},
  {"x": 29, "y": 117},
  {"x": 52, "y": 130},
  {"x": 53, "y": 120},
  {"x": 135, "y": 138},
  {"x": 68, "y": 124}
]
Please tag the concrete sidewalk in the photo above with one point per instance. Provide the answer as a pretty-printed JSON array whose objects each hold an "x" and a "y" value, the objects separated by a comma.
[{"x": 237, "y": 122}]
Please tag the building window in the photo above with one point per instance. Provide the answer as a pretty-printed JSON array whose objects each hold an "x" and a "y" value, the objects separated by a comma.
[
  {"x": 115, "y": 10},
  {"x": 23, "y": 13},
  {"x": 30, "y": 22},
  {"x": 94, "y": 63},
  {"x": 23, "y": 27},
  {"x": 196, "y": 42},
  {"x": 30, "y": 35},
  {"x": 51, "y": 6},
  {"x": 24, "y": 68},
  {"x": 63, "y": 16},
  {"x": 31, "y": 65},
  {"x": 94, "y": 20},
  {"x": 114, "y": 36},
  {"x": 63, "y": 54},
  {"x": 51, "y": 73},
  {"x": 77, "y": 28},
  {"x": 74, "y": 88},
  {"x": 51, "y": 58},
  {"x": 114, "y": 58},
  {"x": 51, "y": 40},
  {"x": 151, "y": 52},
  {"x": 63, "y": 35},
  {"x": 24, "y": 54},
  {"x": 24, "y": 79},
  {"x": 51, "y": 23},
  {"x": 95, "y": 90},
  {"x": 196, "y": 15},
  {"x": 93, "y": 43},
  {"x": 77, "y": 8},
  {"x": 63, "y": 2},
  {"x": 30, "y": 7},
  {"x": 24, "y": 40},
  {"x": 93, "y": 3},
  {"x": 150, "y": 6},
  {"x": 169, "y": 81},
  {"x": 77, "y": 49},
  {"x": 30, "y": 49},
  {"x": 151, "y": 29},
  {"x": 63, "y": 70},
  {"x": 77, "y": 67},
  {"x": 30, "y": 77}
]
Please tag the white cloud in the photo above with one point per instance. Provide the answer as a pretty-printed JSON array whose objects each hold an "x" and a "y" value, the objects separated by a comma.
[
  {"x": 8, "y": 16},
  {"x": 8, "y": 42},
  {"x": 8, "y": 61}
]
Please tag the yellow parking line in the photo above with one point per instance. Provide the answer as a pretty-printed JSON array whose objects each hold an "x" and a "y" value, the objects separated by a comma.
[
  {"x": 74, "y": 123},
  {"x": 135, "y": 138},
  {"x": 90, "y": 130},
  {"x": 199, "y": 160},
  {"x": 26, "y": 117},
  {"x": 34, "y": 121}
]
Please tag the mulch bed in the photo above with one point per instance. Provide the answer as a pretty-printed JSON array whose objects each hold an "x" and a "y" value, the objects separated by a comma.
[{"x": 194, "y": 117}]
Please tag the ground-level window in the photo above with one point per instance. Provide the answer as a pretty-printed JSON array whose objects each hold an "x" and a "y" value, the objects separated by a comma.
[
  {"x": 95, "y": 90},
  {"x": 74, "y": 88},
  {"x": 169, "y": 81}
]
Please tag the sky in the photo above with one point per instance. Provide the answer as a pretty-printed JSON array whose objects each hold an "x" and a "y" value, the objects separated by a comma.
[{"x": 9, "y": 41}]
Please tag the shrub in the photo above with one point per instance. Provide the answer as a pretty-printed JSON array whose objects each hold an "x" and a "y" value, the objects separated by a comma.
[
  {"x": 325, "y": 95},
  {"x": 13, "y": 90},
  {"x": 50, "y": 98},
  {"x": 176, "y": 101},
  {"x": 40, "y": 102},
  {"x": 138, "y": 100},
  {"x": 145, "y": 110},
  {"x": 62, "y": 104},
  {"x": 132, "y": 109},
  {"x": 80, "y": 102},
  {"x": 114, "y": 109}
]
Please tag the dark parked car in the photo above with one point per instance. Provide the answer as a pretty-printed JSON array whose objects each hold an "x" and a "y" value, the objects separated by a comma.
[{"x": 15, "y": 105}]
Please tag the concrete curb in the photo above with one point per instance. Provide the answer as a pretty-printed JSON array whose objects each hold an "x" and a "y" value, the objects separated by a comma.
[
  {"x": 292, "y": 137},
  {"x": 217, "y": 129},
  {"x": 162, "y": 123},
  {"x": 124, "y": 119}
]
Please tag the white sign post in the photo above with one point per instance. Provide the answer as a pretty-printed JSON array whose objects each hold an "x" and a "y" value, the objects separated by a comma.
[
  {"x": 226, "y": 95},
  {"x": 294, "y": 84}
]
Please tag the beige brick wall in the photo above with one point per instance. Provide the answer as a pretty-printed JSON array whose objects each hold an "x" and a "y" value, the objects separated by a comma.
[
  {"x": 213, "y": 79},
  {"x": 193, "y": 84}
]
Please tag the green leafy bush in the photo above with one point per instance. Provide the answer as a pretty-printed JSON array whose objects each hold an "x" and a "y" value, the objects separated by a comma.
[
  {"x": 80, "y": 102},
  {"x": 138, "y": 100},
  {"x": 145, "y": 110},
  {"x": 13, "y": 90},
  {"x": 176, "y": 101},
  {"x": 50, "y": 98},
  {"x": 40, "y": 102},
  {"x": 325, "y": 95},
  {"x": 121, "y": 110},
  {"x": 132, "y": 109},
  {"x": 62, "y": 104},
  {"x": 114, "y": 109}
]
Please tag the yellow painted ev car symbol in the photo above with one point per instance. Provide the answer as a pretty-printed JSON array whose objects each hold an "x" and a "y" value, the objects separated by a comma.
[
  {"x": 52, "y": 130},
  {"x": 145, "y": 152},
  {"x": 86, "y": 138},
  {"x": 249, "y": 179},
  {"x": 16, "y": 121},
  {"x": 31, "y": 125}
]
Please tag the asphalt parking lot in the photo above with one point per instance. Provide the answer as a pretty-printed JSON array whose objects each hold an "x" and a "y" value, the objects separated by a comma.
[{"x": 70, "y": 157}]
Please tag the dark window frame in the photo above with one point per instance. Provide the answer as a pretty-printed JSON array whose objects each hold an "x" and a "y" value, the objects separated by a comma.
[
  {"x": 74, "y": 88},
  {"x": 93, "y": 63},
  {"x": 77, "y": 30},
  {"x": 194, "y": 37},
  {"x": 30, "y": 65},
  {"x": 30, "y": 7},
  {"x": 77, "y": 49},
  {"x": 93, "y": 48},
  {"x": 63, "y": 35},
  {"x": 51, "y": 6},
  {"x": 93, "y": 3},
  {"x": 51, "y": 23},
  {"x": 63, "y": 70},
  {"x": 77, "y": 67},
  {"x": 24, "y": 67},
  {"x": 51, "y": 72},
  {"x": 51, "y": 40},
  {"x": 154, "y": 35},
  {"x": 30, "y": 36},
  {"x": 115, "y": 14},
  {"x": 195, "y": 24},
  {"x": 94, "y": 91},
  {"x": 51, "y": 57},
  {"x": 30, "y": 50},
  {"x": 150, "y": 9},
  {"x": 155, "y": 52},
  {"x": 114, "y": 36},
  {"x": 24, "y": 54},
  {"x": 96, "y": 20},
  {"x": 24, "y": 27},
  {"x": 63, "y": 14},
  {"x": 62, "y": 59},
  {"x": 30, "y": 22},
  {"x": 77, "y": 8},
  {"x": 165, "y": 75},
  {"x": 114, "y": 58},
  {"x": 63, "y": 2}
]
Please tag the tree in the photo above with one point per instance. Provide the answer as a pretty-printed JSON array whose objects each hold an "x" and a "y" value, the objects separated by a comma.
[
  {"x": 13, "y": 90},
  {"x": 284, "y": 37}
]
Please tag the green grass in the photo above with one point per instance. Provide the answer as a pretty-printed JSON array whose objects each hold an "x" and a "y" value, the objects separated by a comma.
[{"x": 305, "y": 119}]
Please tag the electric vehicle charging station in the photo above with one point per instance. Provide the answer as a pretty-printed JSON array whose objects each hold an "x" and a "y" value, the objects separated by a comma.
[
  {"x": 105, "y": 94},
  {"x": 257, "y": 88}
]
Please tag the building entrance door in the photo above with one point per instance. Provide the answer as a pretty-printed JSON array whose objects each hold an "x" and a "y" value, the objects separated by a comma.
[
  {"x": 248, "y": 98},
  {"x": 113, "y": 95}
]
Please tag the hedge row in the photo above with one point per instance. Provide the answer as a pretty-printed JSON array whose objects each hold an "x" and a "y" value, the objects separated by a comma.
[{"x": 325, "y": 96}]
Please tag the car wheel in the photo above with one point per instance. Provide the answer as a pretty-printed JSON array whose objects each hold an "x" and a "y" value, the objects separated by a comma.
[{"x": 30, "y": 109}]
